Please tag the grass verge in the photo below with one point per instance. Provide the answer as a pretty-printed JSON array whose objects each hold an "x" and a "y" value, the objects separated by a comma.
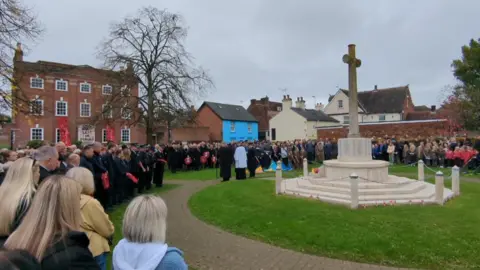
[{"x": 431, "y": 237}]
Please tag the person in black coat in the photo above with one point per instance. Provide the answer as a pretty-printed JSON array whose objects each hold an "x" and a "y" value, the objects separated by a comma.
[
  {"x": 225, "y": 159},
  {"x": 86, "y": 158},
  {"x": 101, "y": 192},
  {"x": 159, "y": 166},
  {"x": 18, "y": 259},
  {"x": 252, "y": 161},
  {"x": 40, "y": 232},
  {"x": 47, "y": 158},
  {"x": 109, "y": 164}
]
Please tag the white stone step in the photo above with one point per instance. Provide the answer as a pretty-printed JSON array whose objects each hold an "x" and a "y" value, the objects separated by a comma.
[
  {"x": 361, "y": 184},
  {"x": 424, "y": 194},
  {"x": 412, "y": 187}
]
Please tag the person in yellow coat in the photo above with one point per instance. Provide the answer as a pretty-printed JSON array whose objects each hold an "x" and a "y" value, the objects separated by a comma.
[{"x": 96, "y": 223}]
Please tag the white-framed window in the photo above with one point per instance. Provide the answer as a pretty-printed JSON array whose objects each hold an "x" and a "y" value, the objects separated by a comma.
[
  {"x": 61, "y": 85},
  {"x": 58, "y": 136},
  {"x": 381, "y": 117},
  {"x": 340, "y": 104},
  {"x": 125, "y": 135},
  {"x": 61, "y": 108},
  {"x": 36, "y": 107},
  {"x": 107, "y": 111},
  {"x": 346, "y": 119},
  {"x": 126, "y": 113},
  {"x": 107, "y": 89},
  {"x": 232, "y": 126},
  {"x": 36, "y": 82},
  {"x": 104, "y": 135},
  {"x": 36, "y": 134},
  {"x": 85, "y": 109},
  {"x": 249, "y": 127},
  {"x": 85, "y": 87},
  {"x": 279, "y": 108}
]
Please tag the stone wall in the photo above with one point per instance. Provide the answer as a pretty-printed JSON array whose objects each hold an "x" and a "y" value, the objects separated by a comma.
[{"x": 401, "y": 129}]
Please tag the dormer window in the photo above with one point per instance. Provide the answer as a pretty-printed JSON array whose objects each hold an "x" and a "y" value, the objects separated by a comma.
[
  {"x": 61, "y": 85},
  {"x": 340, "y": 104}
]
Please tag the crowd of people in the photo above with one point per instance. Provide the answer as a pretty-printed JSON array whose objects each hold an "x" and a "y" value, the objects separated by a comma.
[
  {"x": 434, "y": 152},
  {"x": 54, "y": 202}
]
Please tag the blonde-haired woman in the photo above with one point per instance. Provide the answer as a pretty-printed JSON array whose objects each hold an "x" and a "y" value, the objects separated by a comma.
[
  {"x": 96, "y": 223},
  {"x": 143, "y": 246},
  {"x": 50, "y": 229},
  {"x": 16, "y": 194}
]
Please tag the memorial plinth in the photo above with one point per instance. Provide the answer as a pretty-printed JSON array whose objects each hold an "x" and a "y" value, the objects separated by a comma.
[{"x": 354, "y": 178}]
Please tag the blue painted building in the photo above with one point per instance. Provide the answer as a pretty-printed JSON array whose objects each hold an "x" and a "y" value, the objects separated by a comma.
[{"x": 235, "y": 122}]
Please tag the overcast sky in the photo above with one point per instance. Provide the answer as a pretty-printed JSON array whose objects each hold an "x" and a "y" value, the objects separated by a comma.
[{"x": 254, "y": 48}]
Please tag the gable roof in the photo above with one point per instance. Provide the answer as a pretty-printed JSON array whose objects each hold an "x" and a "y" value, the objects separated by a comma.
[
  {"x": 386, "y": 100},
  {"x": 314, "y": 115},
  {"x": 229, "y": 111},
  {"x": 263, "y": 110}
]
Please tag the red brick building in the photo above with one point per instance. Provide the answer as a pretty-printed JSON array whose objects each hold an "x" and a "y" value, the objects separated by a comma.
[
  {"x": 89, "y": 99},
  {"x": 263, "y": 110}
]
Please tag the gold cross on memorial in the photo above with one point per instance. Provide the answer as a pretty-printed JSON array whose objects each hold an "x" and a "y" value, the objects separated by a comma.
[{"x": 353, "y": 64}]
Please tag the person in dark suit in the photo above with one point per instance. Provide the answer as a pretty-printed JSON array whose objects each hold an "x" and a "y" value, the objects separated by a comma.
[
  {"x": 62, "y": 158},
  {"x": 47, "y": 158},
  {"x": 159, "y": 158},
  {"x": 101, "y": 193},
  {"x": 252, "y": 161},
  {"x": 225, "y": 157},
  {"x": 86, "y": 158}
]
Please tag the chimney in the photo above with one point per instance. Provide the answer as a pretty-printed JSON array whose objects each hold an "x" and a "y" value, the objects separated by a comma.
[
  {"x": 129, "y": 69},
  {"x": 319, "y": 107},
  {"x": 253, "y": 101},
  {"x": 433, "y": 108},
  {"x": 375, "y": 88},
  {"x": 300, "y": 103},
  {"x": 286, "y": 102},
  {"x": 18, "y": 53}
]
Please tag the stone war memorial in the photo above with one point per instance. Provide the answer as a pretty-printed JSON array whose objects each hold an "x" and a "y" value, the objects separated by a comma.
[{"x": 355, "y": 179}]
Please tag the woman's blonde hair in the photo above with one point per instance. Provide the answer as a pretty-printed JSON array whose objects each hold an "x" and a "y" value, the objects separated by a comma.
[
  {"x": 145, "y": 220},
  {"x": 84, "y": 177},
  {"x": 54, "y": 212},
  {"x": 17, "y": 188}
]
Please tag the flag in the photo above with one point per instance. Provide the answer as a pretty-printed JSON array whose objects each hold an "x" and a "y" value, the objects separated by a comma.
[
  {"x": 110, "y": 134},
  {"x": 64, "y": 132}
]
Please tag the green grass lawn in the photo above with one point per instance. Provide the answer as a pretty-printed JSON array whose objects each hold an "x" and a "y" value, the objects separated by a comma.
[
  {"x": 116, "y": 216},
  {"x": 416, "y": 236}
]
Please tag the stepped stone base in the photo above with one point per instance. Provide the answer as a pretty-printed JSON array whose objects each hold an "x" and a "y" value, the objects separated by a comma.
[{"x": 397, "y": 190}]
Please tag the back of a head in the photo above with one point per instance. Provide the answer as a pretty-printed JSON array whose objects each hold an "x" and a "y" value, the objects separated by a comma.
[
  {"x": 17, "y": 188},
  {"x": 55, "y": 210},
  {"x": 84, "y": 178},
  {"x": 45, "y": 153},
  {"x": 152, "y": 211},
  {"x": 18, "y": 260}
]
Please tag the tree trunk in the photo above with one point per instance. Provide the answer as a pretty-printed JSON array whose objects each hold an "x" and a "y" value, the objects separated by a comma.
[{"x": 150, "y": 111}]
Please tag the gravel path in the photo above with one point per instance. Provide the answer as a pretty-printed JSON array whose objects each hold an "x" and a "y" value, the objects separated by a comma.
[{"x": 207, "y": 247}]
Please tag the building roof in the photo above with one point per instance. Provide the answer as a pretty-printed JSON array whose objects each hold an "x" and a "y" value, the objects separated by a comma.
[
  {"x": 229, "y": 111},
  {"x": 314, "y": 115},
  {"x": 422, "y": 108},
  {"x": 386, "y": 100}
]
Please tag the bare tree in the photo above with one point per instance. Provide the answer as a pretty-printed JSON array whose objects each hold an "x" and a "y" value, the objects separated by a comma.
[
  {"x": 17, "y": 24},
  {"x": 152, "y": 43}
]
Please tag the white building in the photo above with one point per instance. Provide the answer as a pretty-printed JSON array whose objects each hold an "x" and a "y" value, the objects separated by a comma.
[
  {"x": 298, "y": 122},
  {"x": 378, "y": 105}
]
